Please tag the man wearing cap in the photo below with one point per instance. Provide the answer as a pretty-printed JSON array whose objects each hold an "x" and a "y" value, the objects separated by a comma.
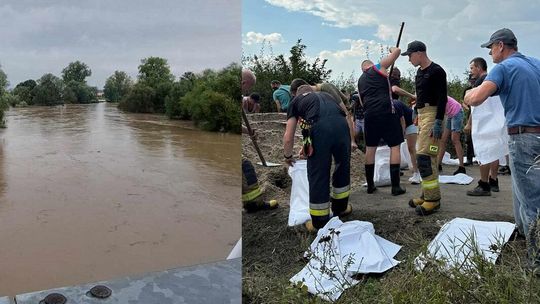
[
  {"x": 431, "y": 98},
  {"x": 282, "y": 95},
  {"x": 516, "y": 79}
]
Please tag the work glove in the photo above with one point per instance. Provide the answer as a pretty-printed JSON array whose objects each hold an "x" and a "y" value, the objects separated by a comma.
[{"x": 437, "y": 130}]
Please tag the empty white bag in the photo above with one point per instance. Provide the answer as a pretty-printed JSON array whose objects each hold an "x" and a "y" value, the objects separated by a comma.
[{"x": 299, "y": 202}]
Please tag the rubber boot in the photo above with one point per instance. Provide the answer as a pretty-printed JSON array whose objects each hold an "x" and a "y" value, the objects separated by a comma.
[
  {"x": 428, "y": 208},
  {"x": 346, "y": 212},
  {"x": 370, "y": 172},
  {"x": 310, "y": 228},
  {"x": 394, "y": 177},
  {"x": 494, "y": 184},
  {"x": 413, "y": 202},
  {"x": 483, "y": 189}
]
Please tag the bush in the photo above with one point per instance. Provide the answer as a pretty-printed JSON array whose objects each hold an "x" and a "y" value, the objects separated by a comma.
[
  {"x": 79, "y": 92},
  {"x": 10, "y": 99},
  {"x": 214, "y": 111},
  {"x": 48, "y": 91},
  {"x": 173, "y": 103},
  {"x": 5, "y": 99},
  {"x": 117, "y": 86},
  {"x": 139, "y": 100}
]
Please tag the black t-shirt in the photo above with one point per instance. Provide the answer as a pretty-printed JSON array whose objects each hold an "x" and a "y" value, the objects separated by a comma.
[
  {"x": 480, "y": 80},
  {"x": 374, "y": 89},
  {"x": 403, "y": 110},
  {"x": 307, "y": 106},
  {"x": 357, "y": 106},
  {"x": 395, "y": 82},
  {"x": 431, "y": 88}
]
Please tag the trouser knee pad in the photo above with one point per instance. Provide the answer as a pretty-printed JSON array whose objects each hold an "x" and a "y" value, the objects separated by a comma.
[{"x": 424, "y": 165}]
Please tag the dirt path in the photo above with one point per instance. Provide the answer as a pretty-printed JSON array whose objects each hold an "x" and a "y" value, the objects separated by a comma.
[
  {"x": 455, "y": 203},
  {"x": 272, "y": 251}
]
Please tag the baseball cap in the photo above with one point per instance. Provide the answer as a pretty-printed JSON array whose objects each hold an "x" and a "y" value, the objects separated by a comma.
[
  {"x": 415, "y": 46},
  {"x": 505, "y": 35}
]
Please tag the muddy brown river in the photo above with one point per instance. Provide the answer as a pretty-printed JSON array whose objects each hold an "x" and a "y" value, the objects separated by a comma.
[{"x": 89, "y": 193}]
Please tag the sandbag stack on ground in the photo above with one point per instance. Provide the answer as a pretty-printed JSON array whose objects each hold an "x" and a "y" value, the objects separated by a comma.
[
  {"x": 459, "y": 239},
  {"x": 339, "y": 252}
]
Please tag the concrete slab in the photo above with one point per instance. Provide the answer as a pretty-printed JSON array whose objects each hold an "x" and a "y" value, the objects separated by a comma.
[{"x": 218, "y": 282}]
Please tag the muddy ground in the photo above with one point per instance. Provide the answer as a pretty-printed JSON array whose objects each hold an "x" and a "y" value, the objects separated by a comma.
[
  {"x": 276, "y": 183},
  {"x": 272, "y": 252}
]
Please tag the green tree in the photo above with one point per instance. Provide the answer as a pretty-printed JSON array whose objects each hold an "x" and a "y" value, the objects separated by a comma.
[
  {"x": 117, "y": 86},
  {"x": 3, "y": 81},
  {"x": 4, "y": 97},
  {"x": 140, "y": 99},
  {"x": 69, "y": 95},
  {"x": 76, "y": 71},
  {"x": 213, "y": 102},
  {"x": 24, "y": 91},
  {"x": 9, "y": 99},
  {"x": 173, "y": 105},
  {"x": 79, "y": 92},
  {"x": 268, "y": 68},
  {"x": 156, "y": 73},
  {"x": 48, "y": 90}
]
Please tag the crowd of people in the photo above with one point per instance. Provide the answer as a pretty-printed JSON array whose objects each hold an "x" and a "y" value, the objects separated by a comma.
[{"x": 500, "y": 115}]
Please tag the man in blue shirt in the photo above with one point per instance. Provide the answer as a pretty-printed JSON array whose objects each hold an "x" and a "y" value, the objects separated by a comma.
[
  {"x": 282, "y": 95},
  {"x": 516, "y": 79}
]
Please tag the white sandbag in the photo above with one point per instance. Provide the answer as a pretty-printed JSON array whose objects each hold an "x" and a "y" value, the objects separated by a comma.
[
  {"x": 455, "y": 242},
  {"x": 447, "y": 160},
  {"x": 489, "y": 133},
  {"x": 460, "y": 179},
  {"x": 344, "y": 249},
  {"x": 299, "y": 202},
  {"x": 381, "y": 176},
  {"x": 405, "y": 156}
]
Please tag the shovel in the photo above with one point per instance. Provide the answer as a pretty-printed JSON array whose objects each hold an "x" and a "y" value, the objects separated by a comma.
[{"x": 250, "y": 131}]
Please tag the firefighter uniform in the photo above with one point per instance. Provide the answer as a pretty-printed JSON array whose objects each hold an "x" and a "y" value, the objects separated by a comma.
[{"x": 326, "y": 136}]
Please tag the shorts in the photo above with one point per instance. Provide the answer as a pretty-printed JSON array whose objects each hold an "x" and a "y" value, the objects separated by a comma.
[
  {"x": 412, "y": 129},
  {"x": 455, "y": 123},
  {"x": 385, "y": 126},
  {"x": 359, "y": 125}
]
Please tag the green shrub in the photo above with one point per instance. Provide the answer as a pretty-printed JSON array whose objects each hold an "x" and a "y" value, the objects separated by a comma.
[
  {"x": 214, "y": 111},
  {"x": 139, "y": 100}
]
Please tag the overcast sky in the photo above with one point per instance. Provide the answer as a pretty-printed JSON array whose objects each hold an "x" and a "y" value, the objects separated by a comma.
[
  {"x": 349, "y": 31},
  {"x": 39, "y": 37}
]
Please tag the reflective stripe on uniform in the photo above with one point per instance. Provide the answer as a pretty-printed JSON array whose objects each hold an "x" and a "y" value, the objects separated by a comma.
[
  {"x": 319, "y": 206},
  {"x": 251, "y": 195},
  {"x": 433, "y": 184},
  {"x": 319, "y": 209},
  {"x": 321, "y": 212},
  {"x": 342, "y": 192}
]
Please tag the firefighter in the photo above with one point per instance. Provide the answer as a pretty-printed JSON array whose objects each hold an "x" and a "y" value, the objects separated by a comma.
[{"x": 325, "y": 134}]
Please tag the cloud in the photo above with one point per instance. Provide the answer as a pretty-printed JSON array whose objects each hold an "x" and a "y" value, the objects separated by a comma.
[
  {"x": 452, "y": 30},
  {"x": 358, "y": 49},
  {"x": 334, "y": 13},
  {"x": 44, "y": 36},
  {"x": 255, "y": 38}
]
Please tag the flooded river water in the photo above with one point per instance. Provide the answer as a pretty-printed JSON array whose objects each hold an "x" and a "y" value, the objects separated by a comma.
[{"x": 89, "y": 193}]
